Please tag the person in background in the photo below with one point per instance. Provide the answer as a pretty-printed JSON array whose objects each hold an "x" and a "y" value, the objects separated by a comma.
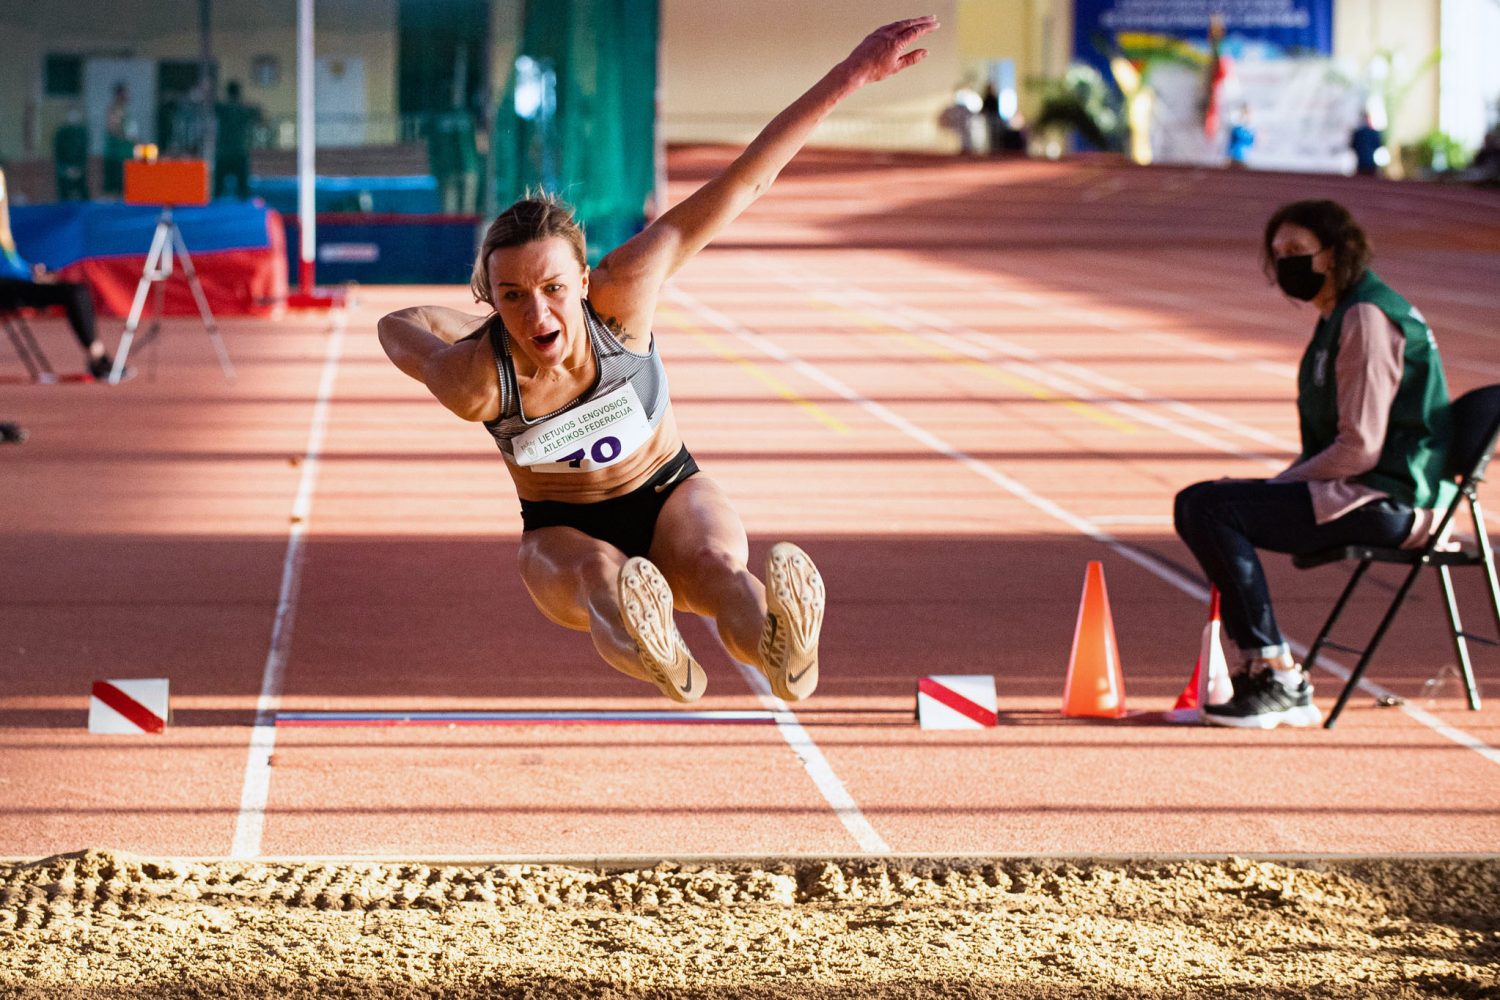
[
  {"x": 453, "y": 158},
  {"x": 23, "y": 285},
  {"x": 70, "y": 157},
  {"x": 1372, "y": 404},
  {"x": 961, "y": 116},
  {"x": 185, "y": 136},
  {"x": 1367, "y": 143},
  {"x": 119, "y": 141},
  {"x": 1241, "y": 137},
  {"x": 994, "y": 122},
  {"x": 236, "y": 123},
  {"x": 1485, "y": 166}
]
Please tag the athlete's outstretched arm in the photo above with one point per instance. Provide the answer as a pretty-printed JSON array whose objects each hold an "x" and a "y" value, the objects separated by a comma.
[
  {"x": 636, "y": 270},
  {"x": 432, "y": 344}
]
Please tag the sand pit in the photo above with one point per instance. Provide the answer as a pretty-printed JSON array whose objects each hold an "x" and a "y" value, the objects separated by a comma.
[{"x": 102, "y": 924}]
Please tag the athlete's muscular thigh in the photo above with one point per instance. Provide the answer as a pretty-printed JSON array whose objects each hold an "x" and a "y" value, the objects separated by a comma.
[
  {"x": 561, "y": 567},
  {"x": 698, "y": 536}
]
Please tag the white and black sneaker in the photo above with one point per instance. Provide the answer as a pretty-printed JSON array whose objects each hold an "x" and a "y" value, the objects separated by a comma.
[{"x": 1263, "y": 702}]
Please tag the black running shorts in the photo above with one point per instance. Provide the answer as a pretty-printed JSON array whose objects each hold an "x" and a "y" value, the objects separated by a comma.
[{"x": 627, "y": 522}]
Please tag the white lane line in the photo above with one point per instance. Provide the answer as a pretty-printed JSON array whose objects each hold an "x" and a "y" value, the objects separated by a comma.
[
  {"x": 250, "y": 825},
  {"x": 1059, "y": 376},
  {"x": 1083, "y": 526},
  {"x": 1079, "y": 524},
  {"x": 1427, "y": 719},
  {"x": 1054, "y": 372},
  {"x": 818, "y": 769}
]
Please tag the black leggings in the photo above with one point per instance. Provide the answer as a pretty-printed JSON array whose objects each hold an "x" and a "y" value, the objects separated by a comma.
[
  {"x": 1225, "y": 521},
  {"x": 72, "y": 296}
]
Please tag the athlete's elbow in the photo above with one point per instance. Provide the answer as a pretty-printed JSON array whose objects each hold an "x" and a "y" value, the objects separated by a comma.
[
  {"x": 391, "y": 322},
  {"x": 386, "y": 327},
  {"x": 464, "y": 404}
]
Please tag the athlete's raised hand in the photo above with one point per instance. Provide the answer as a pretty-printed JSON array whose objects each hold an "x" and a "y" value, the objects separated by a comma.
[
  {"x": 626, "y": 283},
  {"x": 881, "y": 53}
]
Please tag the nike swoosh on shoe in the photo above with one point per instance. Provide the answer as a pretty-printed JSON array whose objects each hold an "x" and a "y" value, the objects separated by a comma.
[
  {"x": 646, "y": 612},
  {"x": 795, "y": 599}
]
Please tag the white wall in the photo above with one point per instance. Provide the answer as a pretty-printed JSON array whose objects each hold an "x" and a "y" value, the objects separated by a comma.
[
  {"x": 1470, "y": 70},
  {"x": 728, "y": 68},
  {"x": 1362, "y": 29}
]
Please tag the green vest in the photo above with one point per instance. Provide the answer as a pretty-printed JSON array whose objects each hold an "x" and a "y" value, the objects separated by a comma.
[{"x": 1410, "y": 468}]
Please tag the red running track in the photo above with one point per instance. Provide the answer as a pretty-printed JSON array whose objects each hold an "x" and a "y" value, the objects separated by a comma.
[{"x": 954, "y": 383}]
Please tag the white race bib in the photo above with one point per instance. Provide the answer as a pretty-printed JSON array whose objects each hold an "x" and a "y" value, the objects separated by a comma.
[{"x": 591, "y": 436}]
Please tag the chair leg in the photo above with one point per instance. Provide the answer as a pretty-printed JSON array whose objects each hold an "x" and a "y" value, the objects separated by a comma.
[
  {"x": 1333, "y": 616},
  {"x": 1488, "y": 555},
  {"x": 1456, "y": 628},
  {"x": 13, "y": 331},
  {"x": 1364, "y": 659}
]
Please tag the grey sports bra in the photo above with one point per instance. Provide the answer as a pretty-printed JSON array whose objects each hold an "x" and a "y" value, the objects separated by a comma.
[{"x": 617, "y": 366}]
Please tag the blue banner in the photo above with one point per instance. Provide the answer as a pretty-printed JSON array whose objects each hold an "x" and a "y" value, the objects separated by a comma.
[{"x": 1291, "y": 26}]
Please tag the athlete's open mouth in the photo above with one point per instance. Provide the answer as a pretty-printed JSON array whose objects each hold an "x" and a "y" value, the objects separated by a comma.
[{"x": 546, "y": 339}]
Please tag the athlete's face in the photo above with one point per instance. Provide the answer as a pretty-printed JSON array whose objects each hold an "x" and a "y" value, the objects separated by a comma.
[{"x": 538, "y": 289}]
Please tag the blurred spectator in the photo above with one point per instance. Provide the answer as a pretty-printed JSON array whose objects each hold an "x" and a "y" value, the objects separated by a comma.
[
  {"x": 236, "y": 124},
  {"x": 1013, "y": 139},
  {"x": 119, "y": 141},
  {"x": 994, "y": 123},
  {"x": 962, "y": 116},
  {"x": 1486, "y": 163},
  {"x": 180, "y": 123},
  {"x": 453, "y": 158},
  {"x": 1241, "y": 137},
  {"x": 1368, "y": 145},
  {"x": 70, "y": 157},
  {"x": 27, "y": 286}
]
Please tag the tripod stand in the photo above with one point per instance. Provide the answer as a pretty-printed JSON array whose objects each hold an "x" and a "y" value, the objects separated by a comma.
[{"x": 159, "y": 266}]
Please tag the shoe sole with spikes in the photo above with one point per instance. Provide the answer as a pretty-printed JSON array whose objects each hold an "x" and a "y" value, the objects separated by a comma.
[
  {"x": 646, "y": 610},
  {"x": 795, "y": 600}
]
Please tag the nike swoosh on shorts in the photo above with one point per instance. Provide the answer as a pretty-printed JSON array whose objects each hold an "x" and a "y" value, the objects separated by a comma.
[{"x": 670, "y": 479}]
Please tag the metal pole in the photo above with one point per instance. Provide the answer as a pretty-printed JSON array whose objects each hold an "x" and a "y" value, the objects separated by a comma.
[{"x": 306, "y": 147}]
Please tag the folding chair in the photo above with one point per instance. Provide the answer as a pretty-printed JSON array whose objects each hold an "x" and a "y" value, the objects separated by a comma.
[
  {"x": 1476, "y": 424},
  {"x": 24, "y": 341}
]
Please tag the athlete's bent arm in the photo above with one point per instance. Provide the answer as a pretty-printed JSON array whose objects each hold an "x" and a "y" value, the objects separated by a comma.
[
  {"x": 628, "y": 280},
  {"x": 433, "y": 346}
]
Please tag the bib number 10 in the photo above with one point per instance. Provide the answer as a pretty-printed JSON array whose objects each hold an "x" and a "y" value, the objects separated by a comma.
[{"x": 603, "y": 451}]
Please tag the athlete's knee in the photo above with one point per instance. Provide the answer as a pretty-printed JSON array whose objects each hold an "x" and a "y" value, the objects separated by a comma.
[
  {"x": 710, "y": 564},
  {"x": 584, "y": 571},
  {"x": 704, "y": 576}
]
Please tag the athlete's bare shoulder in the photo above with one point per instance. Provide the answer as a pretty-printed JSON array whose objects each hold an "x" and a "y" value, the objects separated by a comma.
[{"x": 624, "y": 304}]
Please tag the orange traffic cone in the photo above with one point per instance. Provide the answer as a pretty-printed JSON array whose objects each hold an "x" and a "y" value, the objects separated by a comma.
[
  {"x": 1210, "y": 683},
  {"x": 1095, "y": 685}
]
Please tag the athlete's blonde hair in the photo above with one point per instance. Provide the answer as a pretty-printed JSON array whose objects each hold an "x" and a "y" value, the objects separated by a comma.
[{"x": 537, "y": 216}]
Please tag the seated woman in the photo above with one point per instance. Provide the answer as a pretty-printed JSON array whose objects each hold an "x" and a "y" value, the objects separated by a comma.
[
  {"x": 25, "y": 286},
  {"x": 1372, "y": 403}
]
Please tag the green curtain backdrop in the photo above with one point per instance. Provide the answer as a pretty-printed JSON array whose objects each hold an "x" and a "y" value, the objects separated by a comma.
[{"x": 578, "y": 117}]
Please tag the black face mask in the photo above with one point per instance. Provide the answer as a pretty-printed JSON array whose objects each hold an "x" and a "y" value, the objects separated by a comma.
[{"x": 1296, "y": 277}]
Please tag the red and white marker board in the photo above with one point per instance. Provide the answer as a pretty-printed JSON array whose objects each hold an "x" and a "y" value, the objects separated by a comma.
[
  {"x": 128, "y": 706},
  {"x": 956, "y": 701}
]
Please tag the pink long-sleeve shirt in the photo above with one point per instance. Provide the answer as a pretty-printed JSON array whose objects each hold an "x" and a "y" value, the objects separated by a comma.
[{"x": 1366, "y": 375}]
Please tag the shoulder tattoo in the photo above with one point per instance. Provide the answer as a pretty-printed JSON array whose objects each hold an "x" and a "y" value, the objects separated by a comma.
[{"x": 617, "y": 328}]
